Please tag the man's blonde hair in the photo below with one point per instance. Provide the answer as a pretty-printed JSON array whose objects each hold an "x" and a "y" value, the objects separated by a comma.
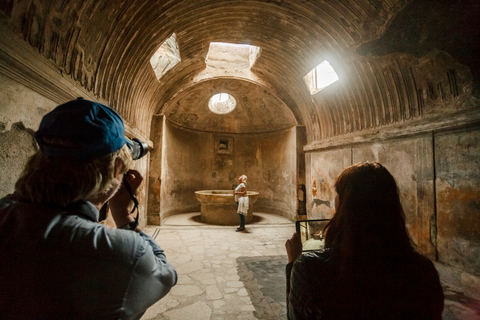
[{"x": 60, "y": 181}]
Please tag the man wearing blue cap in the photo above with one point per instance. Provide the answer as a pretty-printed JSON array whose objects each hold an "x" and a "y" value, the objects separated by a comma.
[{"x": 56, "y": 260}]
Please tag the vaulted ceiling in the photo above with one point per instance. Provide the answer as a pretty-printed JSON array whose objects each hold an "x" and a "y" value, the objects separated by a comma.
[{"x": 397, "y": 60}]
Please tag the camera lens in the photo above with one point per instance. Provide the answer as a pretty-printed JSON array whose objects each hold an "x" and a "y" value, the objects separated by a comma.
[{"x": 138, "y": 148}]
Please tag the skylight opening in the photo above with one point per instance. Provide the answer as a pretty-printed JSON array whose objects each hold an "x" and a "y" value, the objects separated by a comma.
[
  {"x": 232, "y": 56},
  {"x": 320, "y": 77},
  {"x": 166, "y": 57},
  {"x": 222, "y": 103}
]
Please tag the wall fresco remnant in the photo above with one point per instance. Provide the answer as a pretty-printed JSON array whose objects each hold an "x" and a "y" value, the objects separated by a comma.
[
  {"x": 324, "y": 169},
  {"x": 458, "y": 198},
  {"x": 409, "y": 160}
]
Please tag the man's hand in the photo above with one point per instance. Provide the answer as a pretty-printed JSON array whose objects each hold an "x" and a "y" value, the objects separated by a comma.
[
  {"x": 121, "y": 203},
  {"x": 294, "y": 247}
]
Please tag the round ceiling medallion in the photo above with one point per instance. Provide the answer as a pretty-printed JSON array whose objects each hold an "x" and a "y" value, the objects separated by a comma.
[{"x": 222, "y": 103}]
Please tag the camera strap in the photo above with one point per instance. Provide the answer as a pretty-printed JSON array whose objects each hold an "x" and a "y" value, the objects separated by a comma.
[{"x": 133, "y": 225}]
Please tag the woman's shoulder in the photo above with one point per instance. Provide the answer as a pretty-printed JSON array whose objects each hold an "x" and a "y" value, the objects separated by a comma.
[
  {"x": 312, "y": 259},
  {"x": 312, "y": 271},
  {"x": 241, "y": 185},
  {"x": 317, "y": 255},
  {"x": 420, "y": 266},
  {"x": 418, "y": 260}
]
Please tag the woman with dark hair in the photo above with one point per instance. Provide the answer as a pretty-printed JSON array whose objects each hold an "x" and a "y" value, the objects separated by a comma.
[{"x": 369, "y": 268}]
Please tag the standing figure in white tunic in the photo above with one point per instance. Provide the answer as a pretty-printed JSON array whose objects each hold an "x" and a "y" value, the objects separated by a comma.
[{"x": 241, "y": 199}]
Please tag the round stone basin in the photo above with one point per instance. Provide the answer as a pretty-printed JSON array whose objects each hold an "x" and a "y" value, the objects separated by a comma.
[{"x": 219, "y": 207}]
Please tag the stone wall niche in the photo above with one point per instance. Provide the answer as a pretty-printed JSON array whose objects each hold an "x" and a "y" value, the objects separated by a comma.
[{"x": 195, "y": 160}]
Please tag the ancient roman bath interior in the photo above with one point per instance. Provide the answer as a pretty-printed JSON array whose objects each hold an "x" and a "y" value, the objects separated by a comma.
[{"x": 404, "y": 90}]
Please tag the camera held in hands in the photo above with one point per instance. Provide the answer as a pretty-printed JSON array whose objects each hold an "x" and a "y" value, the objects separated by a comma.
[
  {"x": 312, "y": 233},
  {"x": 137, "y": 147}
]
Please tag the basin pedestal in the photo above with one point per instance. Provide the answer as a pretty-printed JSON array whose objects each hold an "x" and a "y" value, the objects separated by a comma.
[{"x": 218, "y": 207}]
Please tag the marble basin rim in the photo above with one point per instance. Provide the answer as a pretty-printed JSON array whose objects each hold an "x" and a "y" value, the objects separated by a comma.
[
  {"x": 218, "y": 207},
  {"x": 222, "y": 196}
]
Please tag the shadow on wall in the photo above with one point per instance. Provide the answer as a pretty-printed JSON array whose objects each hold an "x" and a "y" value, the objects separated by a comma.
[{"x": 264, "y": 279}]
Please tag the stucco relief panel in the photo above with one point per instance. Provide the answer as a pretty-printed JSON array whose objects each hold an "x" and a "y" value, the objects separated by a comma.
[{"x": 55, "y": 30}]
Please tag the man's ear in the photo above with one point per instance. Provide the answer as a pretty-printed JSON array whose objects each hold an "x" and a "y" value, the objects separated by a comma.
[{"x": 118, "y": 166}]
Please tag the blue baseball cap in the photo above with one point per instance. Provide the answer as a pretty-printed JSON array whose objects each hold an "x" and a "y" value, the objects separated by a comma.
[{"x": 81, "y": 129}]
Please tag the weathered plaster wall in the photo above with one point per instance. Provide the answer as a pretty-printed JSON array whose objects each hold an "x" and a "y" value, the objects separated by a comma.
[
  {"x": 155, "y": 175},
  {"x": 409, "y": 160},
  {"x": 457, "y": 186},
  {"x": 18, "y": 145},
  {"x": 21, "y": 110},
  {"x": 301, "y": 192},
  {"x": 438, "y": 175},
  {"x": 323, "y": 169},
  {"x": 191, "y": 163}
]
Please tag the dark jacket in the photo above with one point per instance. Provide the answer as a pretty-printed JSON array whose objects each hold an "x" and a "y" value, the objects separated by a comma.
[{"x": 402, "y": 289}]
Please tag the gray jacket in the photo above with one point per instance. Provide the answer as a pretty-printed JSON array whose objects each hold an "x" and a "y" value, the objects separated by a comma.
[{"x": 62, "y": 264}]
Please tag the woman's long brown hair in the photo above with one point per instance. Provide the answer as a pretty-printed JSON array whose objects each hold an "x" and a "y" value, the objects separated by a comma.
[
  {"x": 369, "y": 218},
  {"x": 367, "y": 240}
]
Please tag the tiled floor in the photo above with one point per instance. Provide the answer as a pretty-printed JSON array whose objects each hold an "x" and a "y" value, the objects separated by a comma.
[
  {"x": 224, "y": 274},
  {"x": 227, "y": 275}
]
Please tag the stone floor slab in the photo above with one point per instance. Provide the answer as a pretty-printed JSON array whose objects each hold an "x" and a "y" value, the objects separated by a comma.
[{"x": 227, "y": 275}]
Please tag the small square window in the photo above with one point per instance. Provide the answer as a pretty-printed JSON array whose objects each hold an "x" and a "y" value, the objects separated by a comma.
[{"x": 223, "y": 145}]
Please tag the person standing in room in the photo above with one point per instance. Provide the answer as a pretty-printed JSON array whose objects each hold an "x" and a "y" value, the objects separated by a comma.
[
  {"x": 241, "y": 198},
  {"x": 369, "y": 269},
  {"x": 56, "y": 260}
]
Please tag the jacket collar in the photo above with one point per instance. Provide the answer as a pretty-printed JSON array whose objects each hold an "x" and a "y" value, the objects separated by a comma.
[{"x": 84, "y": 208}]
